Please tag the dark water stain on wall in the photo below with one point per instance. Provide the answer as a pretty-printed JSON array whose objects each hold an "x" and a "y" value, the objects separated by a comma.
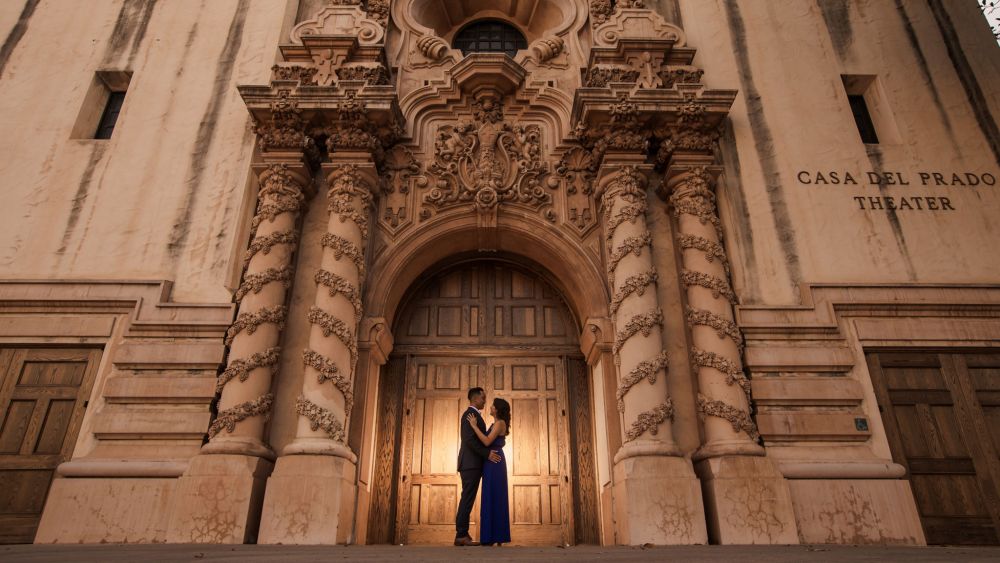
[
  {"x": 129, "y": 31},
  {"x": 987, "y": 124},
  {"x": 82, "y": 191},
  {"x": 875, "y": 158},
  {"x": 911, "y": 36},
  {"x": 740, "y": 226},
  {"x": 837, "y": 17},
  {"x": 16, "y": 33},
  {"x": 764, "y": 144},
  {"x": 206, "y": 130}
]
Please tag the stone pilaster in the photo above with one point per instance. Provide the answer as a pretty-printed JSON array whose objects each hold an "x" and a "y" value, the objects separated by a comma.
[
  {"x": 236, "y": 461},
  {"x": 747, "y": 500}
]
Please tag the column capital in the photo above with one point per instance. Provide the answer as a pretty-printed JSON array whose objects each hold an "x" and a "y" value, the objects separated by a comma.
[{"x": 696, "y": 179}]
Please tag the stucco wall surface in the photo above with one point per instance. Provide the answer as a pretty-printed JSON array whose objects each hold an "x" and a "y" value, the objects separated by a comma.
[{"x": 163, "y": 198}]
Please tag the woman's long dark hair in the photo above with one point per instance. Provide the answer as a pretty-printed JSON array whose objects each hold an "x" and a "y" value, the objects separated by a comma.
[{"x": 503, "y": 411}]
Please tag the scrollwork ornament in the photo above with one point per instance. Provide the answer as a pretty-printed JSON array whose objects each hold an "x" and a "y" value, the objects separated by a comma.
[
  {"x": 650, "y": 421},
  {"x": 249, "y": 321},
  {"x": 640, "y": 323},
  {"x": 647, "y": 369},
  {"x": 227, "y": 419},
  {"x": 738, "y": 418},
  {"x": 320, "y": 418}
]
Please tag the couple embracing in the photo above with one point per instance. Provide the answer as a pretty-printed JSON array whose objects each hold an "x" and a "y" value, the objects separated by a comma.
[{"x": 480, "y": 457}]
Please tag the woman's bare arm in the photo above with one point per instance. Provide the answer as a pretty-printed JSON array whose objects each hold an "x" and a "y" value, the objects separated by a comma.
[{"x": 494, "y": 432}]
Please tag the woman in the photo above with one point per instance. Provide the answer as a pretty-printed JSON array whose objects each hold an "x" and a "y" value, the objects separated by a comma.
[{"x": 494, "y": 512}]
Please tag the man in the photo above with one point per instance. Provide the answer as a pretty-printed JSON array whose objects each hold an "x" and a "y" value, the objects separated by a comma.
[{"x": 471, "y": 456}]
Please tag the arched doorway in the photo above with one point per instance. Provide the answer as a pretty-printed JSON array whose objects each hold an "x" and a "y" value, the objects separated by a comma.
[{"x": 498, "y": 325}]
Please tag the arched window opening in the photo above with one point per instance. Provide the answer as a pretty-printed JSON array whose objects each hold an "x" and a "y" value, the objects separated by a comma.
[{"x": 490, "y": 36}]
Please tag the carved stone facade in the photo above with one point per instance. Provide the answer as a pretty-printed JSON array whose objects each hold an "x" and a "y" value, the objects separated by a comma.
[{"x": 738, "y": 316}]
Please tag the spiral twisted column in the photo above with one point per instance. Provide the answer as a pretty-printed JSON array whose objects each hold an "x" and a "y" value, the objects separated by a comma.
[
  {"x": 717, "y": 343},
  {"x": 245, "y": 398},
  {"x": 332, "y": 354},
  {"x": 642, "y": 395}
]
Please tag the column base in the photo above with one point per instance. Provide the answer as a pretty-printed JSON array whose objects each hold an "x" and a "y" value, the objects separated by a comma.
[
  {"x": 658, "y": 501},
  {"x": 238, "y": 445},
  {"x": 747, "y": 501},
  {"x": 218, "y": 500},
  {"x": 310, "y": 500}
]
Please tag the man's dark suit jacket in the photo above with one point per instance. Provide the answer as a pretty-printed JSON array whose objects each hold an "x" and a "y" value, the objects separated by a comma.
[{"x": 472, "y": 453}]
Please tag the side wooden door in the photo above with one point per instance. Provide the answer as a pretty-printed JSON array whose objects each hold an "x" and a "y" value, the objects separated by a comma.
[
  {"x": 43, "y": 395},
  {"x": 941, "y": 417},
  {"x": 429, "y": 486},
  {"x": 538, "y": 465}
]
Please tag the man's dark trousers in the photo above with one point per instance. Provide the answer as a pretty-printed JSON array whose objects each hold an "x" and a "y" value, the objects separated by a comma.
[{"x": 471, "y": 456}]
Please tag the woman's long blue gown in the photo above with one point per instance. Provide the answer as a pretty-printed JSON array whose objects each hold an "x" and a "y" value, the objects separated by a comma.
[{"x": 494, "y": 510}]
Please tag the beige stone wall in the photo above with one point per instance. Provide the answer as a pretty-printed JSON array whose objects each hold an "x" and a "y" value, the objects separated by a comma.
[
  {"x": 165, "y": 198},
  {"x": 792, "y": 114}
]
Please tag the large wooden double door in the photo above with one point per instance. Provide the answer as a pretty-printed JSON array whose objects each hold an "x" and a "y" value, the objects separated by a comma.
[{"x": 495, "y": 326}]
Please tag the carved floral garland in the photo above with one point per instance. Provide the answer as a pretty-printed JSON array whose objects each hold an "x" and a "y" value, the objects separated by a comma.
[
  {"x": 227, "y": 419},
  {"x": 739, "y": 419},
  {"x": 734, "y": 374},
  {"x": 643, "y": 322},
  {"x": 713, "y": 250},
  {"x": 256, "y": 282},
  {"x": 345, "y": 185},
  {"x": 241, "y": 368},
  {"x": 723, "y": 327},
  {"x": 336, "y": 327},
  {"x": 647, "y": 369},
  {"x": 650, "y": 420},
  {"x": 336, "y": 284},
  {"x": 718, "y": 286},
  {"x": 635, "y": 284},
  {"x": 632, "y": 245},
  {"x": 342, "y": 247},
  {"x": 264, "y": 244},
  {"x": 327, "y": 370},
  {"x": 320, "y": 418},
  {"x": 249, "y": 321}
]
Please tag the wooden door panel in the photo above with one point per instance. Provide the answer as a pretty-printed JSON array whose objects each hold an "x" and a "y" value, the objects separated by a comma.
[
  {"x": 936, "y": 427},
  {"x": 42, "y": 398}
]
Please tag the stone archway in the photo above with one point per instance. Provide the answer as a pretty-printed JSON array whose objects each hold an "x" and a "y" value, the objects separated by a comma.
[{"x": 499, "y": 324}]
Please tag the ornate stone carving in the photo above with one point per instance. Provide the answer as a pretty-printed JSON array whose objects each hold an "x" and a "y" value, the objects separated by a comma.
[
  {"x": 331, "y": 325},
  {"x": 346, "y": 17},
  {"x": 547, "y": 48},
  {"x": 643, "y": 322},
  {"x": 327, "y": 370},
  {"x": 336, "y": 284},
  {"x": 739, "y": 419},
  {"x": 279, "y": 193},
  {"x": 303, "y": 75},
  {"x": 647, "y": 369},
  {"x": 250, "y": 321},
  {"x": 264, "y": 244},
  {"x": 734, "y": 374},
  {"x": 623, "y": 133},
  {"x": 432, "y": 47},
  {"x": 376, "y": 75},
  {"x": 633, "y": 245},
  {"x": 690, "y": 133},
  {"x": 399, "y": 171},
  {"x": 680, "y": 75},
  {"x": 718, "y": 286},
  {"x": 352, "y": 129},
  {"x": 600, "y": 10},
  {"x": 723, "y": 327},
  {"x": 256, "y": 282},
  {"x": 488, "y": 161},
  {"x": 631, "y": 21},
  {"x": 713, "y": 250},
  {"x": 650, "y": 420},
  {"x": 634, "y": 284},
  {"x": 241, "y": 368},
  {"x": 342, "y": 247},
  {"x": 285, "y": 130},
  {"x": 227, "y": 419},
  {"x": 602, "y": 76},
  {"x": 320, "y": 418},
  {"x": 575, "y": 172},
  {"x": 346, "y": 184}
]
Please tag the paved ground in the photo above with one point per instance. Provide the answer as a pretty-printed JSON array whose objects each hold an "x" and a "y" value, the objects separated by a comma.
[{"x": 728, "y": 554}]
